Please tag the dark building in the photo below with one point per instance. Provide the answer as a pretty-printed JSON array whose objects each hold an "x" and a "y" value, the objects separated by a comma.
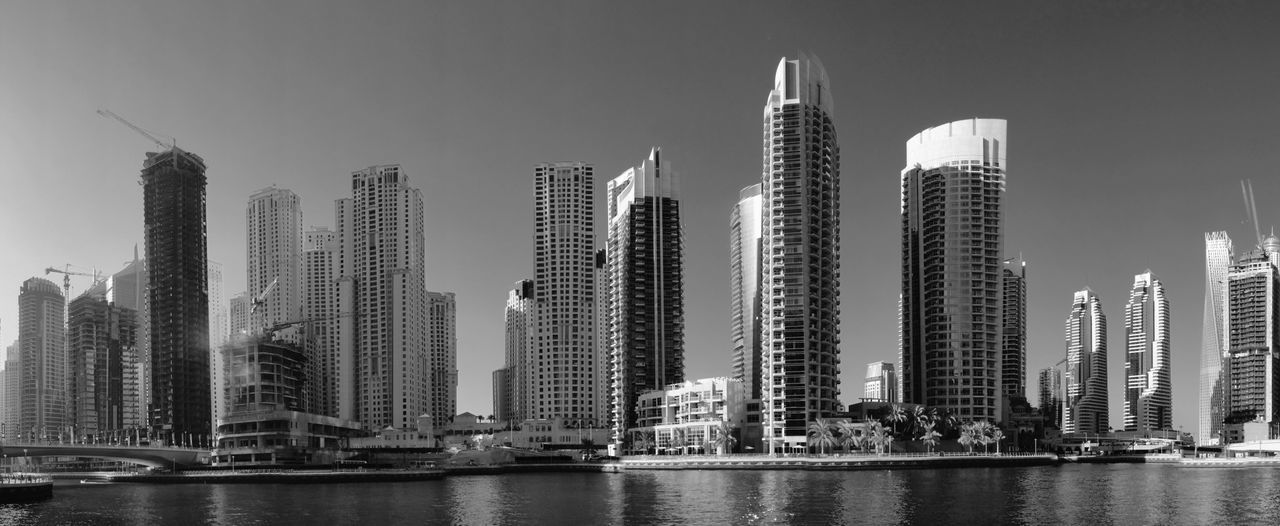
[
  {"x": 176, "y": 254},
  {"x": 42, "y": 408},
  {"x": 643, "y": 293},
  {"x": 101, "y": 341},
  {"x": 263, "y": 374},
  {"x": 1013, "y": 335}
]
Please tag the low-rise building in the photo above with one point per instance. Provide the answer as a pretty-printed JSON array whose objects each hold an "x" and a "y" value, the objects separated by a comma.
[{"x": 689, "y": 417}]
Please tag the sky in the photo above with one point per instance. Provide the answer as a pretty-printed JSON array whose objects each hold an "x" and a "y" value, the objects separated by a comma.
[{"x": 1131, "y": 125}]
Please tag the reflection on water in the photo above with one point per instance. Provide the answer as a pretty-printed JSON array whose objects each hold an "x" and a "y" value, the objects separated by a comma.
[{"x": 1071, "y": 494}]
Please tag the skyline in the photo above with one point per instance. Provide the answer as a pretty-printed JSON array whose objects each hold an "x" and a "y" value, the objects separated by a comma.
[{"x": 1107, "y": 104}]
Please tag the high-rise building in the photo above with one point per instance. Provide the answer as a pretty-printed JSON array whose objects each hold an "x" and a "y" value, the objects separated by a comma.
[
  {"x": 173, "y": 185},
  {"x": 273, "y": 237},
  {"x": 1251, "y": 372},
  {"x": 238, "y": 314},
  {"x": 12, "y": 407},
  {"x": 1218, "y": 258},
  {"x": 442, "y": 339},
  {"x": 520, "y": 325},
  {"x": 1085, "y": 409},
  {"x": 1051, "y": 395},
  {"x": 952, "y": 301},
  {"x": 319, "y": 307},
  {"x": 101, "y": 342},
  {"x": 744, "y": 290},
  {"x": 1013, "y": 332},
  {"x": 127, "y": 289},
  {"x": 643, "y": 289},
  {"x": 881, "y": 383},
  {"x": 564, "y": 366},
  {"x": 800, "y": 254},
  {"x": 1148, "y": 400},
  {"x": 219, "y": 318},
  {"x": 383, "y": 357},
  {"x": 219, "y": 335},
  {"x": 43, "y": 357}
]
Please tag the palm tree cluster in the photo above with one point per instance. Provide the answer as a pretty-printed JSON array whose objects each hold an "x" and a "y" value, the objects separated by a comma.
[
  {"x": 826, "y": 435},
  {"x": 920, "y": 422},
  {"x": 984, "y": 433}
]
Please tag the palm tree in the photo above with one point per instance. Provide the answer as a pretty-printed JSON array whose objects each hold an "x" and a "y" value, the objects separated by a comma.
[
  {"x": 897, "y": 414},
  {"x": 996, "y": 436},
  {"x": 919, "y": 418},
  {"x": 888, "y": 442},
  {"x": 820, "y": 434},
  {"x": 724, "y": 440},
  {"x": 642, "y": 442},
  {"x": 848, "y": 434},
  {"x": 968, "y": 436},
  {"x": 877, "y": 436},
  {"x": 984, "y": 434},
  {"x": 678, "y": 440},
  {"x": 929, "y": 437}
]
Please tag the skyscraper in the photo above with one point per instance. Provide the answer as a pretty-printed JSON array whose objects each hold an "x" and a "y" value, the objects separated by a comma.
[
  {"x": 12, "y": 408},
  {"x": 127, "y": 289},
  {"x": 273, "y": 245},
  {"x": 101, "y": 342},
  {"x": 1218, "y": 258},
  {"x": 744, "y": 290},
  {"x": 564, "y": 366},
  {"x": 643, "y": 292},
  {"x": 173, "y": 185},
  {"x": 1148, "y": 401},
  {"x": 219, "y": 335},
  {"x": 43, "y": 358},
  {"x": 520, "y": 332},
  {"x": 319, "y": 307},
  {"x": 952, "y": 299},
  {"x": 1251, "y": 369},
  {"x": 1013, "y": 332},
  {"x": 881, "y": 383},
  {"x": 800, "y": 254},
  {"x": 1051, "y": 395},
  {"x": 442, "y": 339},
  {"x": 1085, "y": 409},
  {"x": 384, "y": 361}
]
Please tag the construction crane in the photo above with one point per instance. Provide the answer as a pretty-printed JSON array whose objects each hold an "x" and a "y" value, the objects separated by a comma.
[
  {"x": 262, "y": 298},
  {"x": 1251, "y": 208},
  {"x": 171, "y": 145},
  {"x": 66, "y": 278},
  {"x": 272, "y": 330}
]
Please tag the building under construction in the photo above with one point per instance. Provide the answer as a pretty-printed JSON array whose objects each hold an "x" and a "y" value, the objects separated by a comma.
[{"x": 176, "y": 254}]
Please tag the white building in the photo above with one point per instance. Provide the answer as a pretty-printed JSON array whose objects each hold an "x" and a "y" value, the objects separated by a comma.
[
  {"x": 881, "y": 383},
  {"x": 800, "y": 254},
  {"x": 687, "y": 416},
  {"x": 1148, "y": 403},
  {"x": 1218, "y": 258},
  {"x": 520, "y": 330},
  {"x": 744, "y": 289},
  {"x": 564, "y": 366},
  {"x": 1085, "y": 409},
  {"x": 273, "y": 236},
  {"x": 383, "y": 356},
  {"x": 320, "y": 308}
]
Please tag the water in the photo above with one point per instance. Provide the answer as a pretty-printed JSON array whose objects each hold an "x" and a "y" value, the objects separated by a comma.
[{"x": 1070, "y": 494}]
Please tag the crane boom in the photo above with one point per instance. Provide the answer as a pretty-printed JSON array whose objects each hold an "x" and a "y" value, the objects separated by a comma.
[
  {"x": 1251, "y": 208},
  {"x": 111, "y": 115}
]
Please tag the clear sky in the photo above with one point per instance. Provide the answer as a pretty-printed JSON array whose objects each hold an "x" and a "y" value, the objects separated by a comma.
[{"x": 1130, "y": 128}]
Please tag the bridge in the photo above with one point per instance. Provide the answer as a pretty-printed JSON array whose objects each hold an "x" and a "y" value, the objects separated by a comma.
[{"x": 156, "y": 457}]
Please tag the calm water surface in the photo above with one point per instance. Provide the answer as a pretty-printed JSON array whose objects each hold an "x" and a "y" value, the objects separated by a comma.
[{"x": 1073, "y": 494}]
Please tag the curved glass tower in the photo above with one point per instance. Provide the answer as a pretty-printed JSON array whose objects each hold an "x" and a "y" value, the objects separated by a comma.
[
  {"x": 1085, "y": 409},
  {"x": 800, "y": 254},
  {"x": 1218, "y": 257},
  {"x": 1148, "y": 391},
  {"x": 952, "y": 268}
]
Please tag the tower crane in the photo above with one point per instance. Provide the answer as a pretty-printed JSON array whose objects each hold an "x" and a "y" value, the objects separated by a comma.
[
  {"x": 171, "y": 145},
  {"x": 66, "y": 277},
  {"x": 1251, "y": 208}
]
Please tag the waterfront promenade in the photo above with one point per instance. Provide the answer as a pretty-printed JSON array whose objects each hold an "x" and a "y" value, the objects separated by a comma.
[{"x": 834, "y": 462}]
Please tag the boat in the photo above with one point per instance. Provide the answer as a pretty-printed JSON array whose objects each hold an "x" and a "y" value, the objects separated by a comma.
[{"x": 25, "y": 487}]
